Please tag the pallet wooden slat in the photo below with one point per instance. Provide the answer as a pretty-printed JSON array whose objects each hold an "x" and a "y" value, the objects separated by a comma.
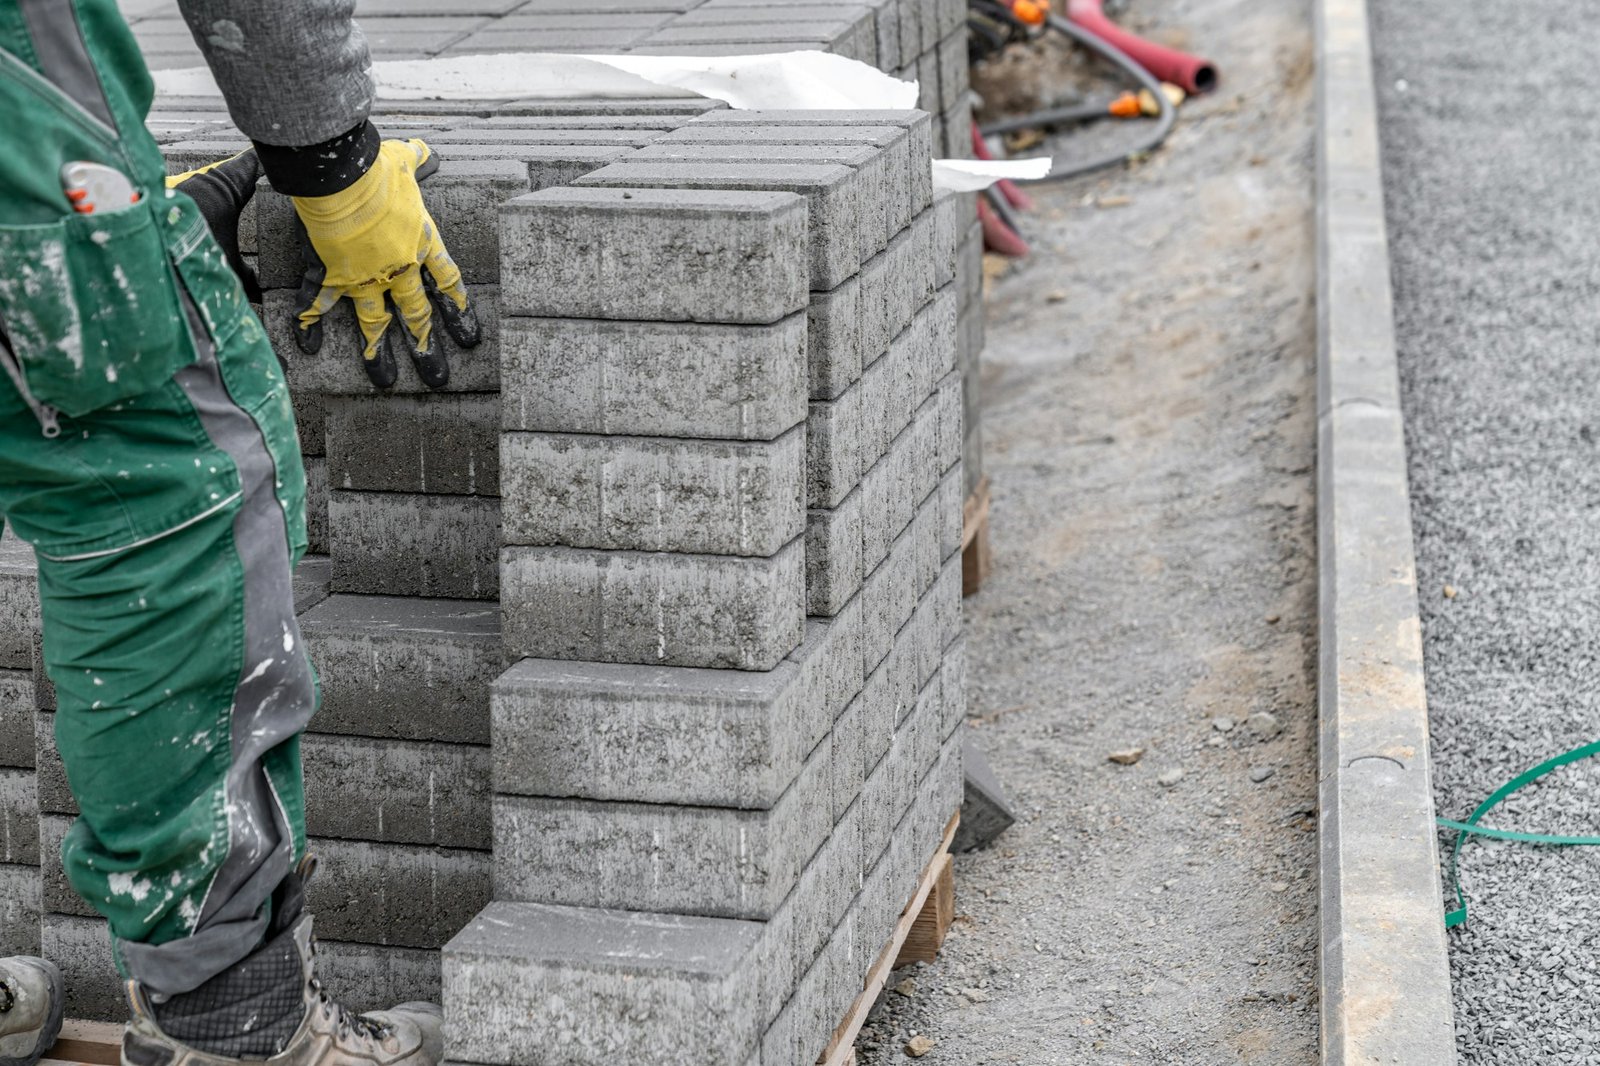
[
  {"x": 976, "y": 557},
  {"x": 927, "y": 932},
  {"x": 86, "y": 1044}
]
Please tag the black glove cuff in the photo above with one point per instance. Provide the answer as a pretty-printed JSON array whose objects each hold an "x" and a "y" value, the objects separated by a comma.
[{"x": 321, "y": 169}]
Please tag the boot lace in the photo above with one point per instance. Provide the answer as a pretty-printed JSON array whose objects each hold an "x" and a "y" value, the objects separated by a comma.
[
  {"x": 345, "y": 1023},
  {"x": 8, "y": 999}
]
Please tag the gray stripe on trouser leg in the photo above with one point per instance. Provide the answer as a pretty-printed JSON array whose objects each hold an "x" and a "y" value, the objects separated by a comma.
[{"x": 273, "y": 702}]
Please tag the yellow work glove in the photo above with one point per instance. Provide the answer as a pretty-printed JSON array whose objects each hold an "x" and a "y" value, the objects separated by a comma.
[{"x": 376, "y": 243}]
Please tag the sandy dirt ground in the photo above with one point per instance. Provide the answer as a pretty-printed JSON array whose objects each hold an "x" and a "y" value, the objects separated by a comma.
[{"x": 1150, "y": 417}]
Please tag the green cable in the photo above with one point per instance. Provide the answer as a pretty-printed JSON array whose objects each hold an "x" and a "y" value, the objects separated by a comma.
[{"x": 1471, "y": 827}]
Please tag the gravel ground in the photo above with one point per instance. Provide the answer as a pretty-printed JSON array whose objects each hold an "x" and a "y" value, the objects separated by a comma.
[
  {"x": 1149, "y": 412},
  {"x": 1490, "y": 155}
]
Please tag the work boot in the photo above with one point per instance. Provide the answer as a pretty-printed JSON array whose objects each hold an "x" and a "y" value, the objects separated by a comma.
[
  {"x": 32, "y": 1000},
  {"x": 271, "y": 1008}
]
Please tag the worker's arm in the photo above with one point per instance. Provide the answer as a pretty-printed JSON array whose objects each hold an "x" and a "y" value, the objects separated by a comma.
[{"x": 298, "y": 81}]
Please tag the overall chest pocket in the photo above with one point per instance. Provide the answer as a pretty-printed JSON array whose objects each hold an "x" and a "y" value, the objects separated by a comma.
[{"x": 91, "y": 308}]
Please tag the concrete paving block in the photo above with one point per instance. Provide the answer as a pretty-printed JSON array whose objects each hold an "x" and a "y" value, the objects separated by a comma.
[
  {"x": 953, "y": 213},
  {"x": 637, "y": 119},
  {"x": 712, "y": 861},
  {"x": 312, "y": 582},
  {"x": 599, "y": 20},
  {"x": 16, "y": 719},
  {"x": 855, "y": 39},
  {"x": 849, "y": 755},
  {"x": 661, "y": 608},
  {"x": 396, "y": 791},
  {"x": 873, "y": 186},
  {"x": 833, "y": 322},
  {"x": 953, "y": 685},
  {"x": 921, "y": 265},
  {"x": 81, "y": 947},
  {"x": 316, "y": 505},
  {"x": 888, "y": 596},
  {"x": 970, "y": 325},
  {"x": 936, "y": 343},
  {"x": 834, "y": 432},
  {"x": 969, "y": 268},
  {"x": 497, "y": 39},
  {"x": 833, "y": 555},
  {"x": 51, "y": 790},
  {"x": 369, "y": 977},
  {"x": 888, "y": 286},
  {"x": 913, "y": 39},
  {"x": 743, "y": 498},
  {"x": 441, "y": 444},
  {"x": 673, "y": 379},
  {"x": 44, "y": 690},
  {"x": 681, "y": 254},
  {"x": 648, "y": 734},
  {"x": 928, "y": 86},
  {"x": 602, "y": 986},
  {"x": 846, "y": 673},
  {"x": 337, "y": 369},
  {"x": 310, "y": 422},
  {"x": 19, "y": 602},
  {"x": 19, "y": 910},
  {"x": 395, "y": 895},
  {"x": 834, "y": 205},
  {"x": 463, "y": 196},
  {"x": 947, "y": 603},
  {"x": 956, "y": 125},
  {"x": 924, "y": 531},
  {"x": 411, "y": 544},
  {"x": 953, "y": 76},
  {"x": 605, "y": 108},
  {"x": 899, "y": 482},
  {"x": 404, "y": 669},
  {"x": 553, "y": 165},
  {"x": 949, "y": 395},
  {"x": 56, "y": 896},
  {"x": 952, "y": 507},
  {"x": 19, "y": 818},
  {"x": 972, "y": 458}
]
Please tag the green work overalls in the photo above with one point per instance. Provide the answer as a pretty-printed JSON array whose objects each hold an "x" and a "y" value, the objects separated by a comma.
[{"x": 148, "y": 453}]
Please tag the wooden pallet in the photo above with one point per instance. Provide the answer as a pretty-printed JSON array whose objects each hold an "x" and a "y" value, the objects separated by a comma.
[
  {"x": 976, "y": 560},
  {"x": 86, "y": 1044},
  {"x": 927, "y": 916}
]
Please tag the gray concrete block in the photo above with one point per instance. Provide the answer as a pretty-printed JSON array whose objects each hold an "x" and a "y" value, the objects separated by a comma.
[
  {"x": 337, "y": 369},
  {"x": 405, "y": 669},
  {"x": 833, "y": 555},
  {"x": 56, "y": 896},
  {"x": 713, "y": 861},
  {"x": 969, "y": 267},
  {"x": 948, "y": 601},
  {"x": 755, "y": 130},
  {"x": 553, "y": 165},
  {"x": 19, "y": 602},
  {"x": 953, "y": 686},
  {"x": 673, "y": 379},
  {"x": 952, "y": 503},
  {"x": 713, "y": 738},
  {"x": 835, "y": 207},
  {"x": 956, "y": 124},
  {"x": 463, "y": 196},
  {"x": 16, "y": 718},
  {"x": 891, "y": 593},
  {"x": 913, "y": 42},
  {"x": 899, "y": 482},
  {"x": 395, "y": 895},
  {"x": 19, "y": 818},
  {"x": 397, "y": 792},
  {"x": 918, "y": 260},
  {"x": 51, "y": 790},
  {"x": 928, "y": 85},
  {"x": 410, "y": 544},
  {"x": 953, "y": 77},
  {"x": 953, "y": 214},
  {"x": 310, "y": 422},
  {"x": 19, "y": 910},
  {"x": 972, "y": 458},
  {"x": 834, "y": 450},
  {"x": 853, "y": 38},
  {"x": 369, "y": 977},
  {"x": 950, "y": 398},
  {"x": 44, "y": 690},
  {"x": 849, "y": 755},
  {"x": 833, "y": 322},
  {"x": 701, "y": 255},
  {"x": 969, "y": 352},
  {"x": 312, "y": 581},
  {"x": 81, "y": 947},
  {"x": 497, "y": 39},
  {"x": 917, "y": 125},
  {"x": 442, "y": 444},
  {"x": 743, "y": 498},
  {"x": 601, "y": 107},
  {"x": 317, "y": 505},
  {"x": 644, "y": 607},
  {"x": 602, "y": 986}
]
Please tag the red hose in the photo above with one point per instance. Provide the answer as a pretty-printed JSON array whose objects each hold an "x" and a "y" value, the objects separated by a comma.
[
  {"x": 1190, "y": 73},
  {"x": 999, "y": 237},
  {"x": 1014, "y": 196}
]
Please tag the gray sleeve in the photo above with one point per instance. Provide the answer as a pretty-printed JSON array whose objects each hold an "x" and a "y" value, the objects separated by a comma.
[{"x": 294, "y": 72}]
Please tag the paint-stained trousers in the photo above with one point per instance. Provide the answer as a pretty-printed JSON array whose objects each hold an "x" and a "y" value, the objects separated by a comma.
[{"x": 167, "y": 526}]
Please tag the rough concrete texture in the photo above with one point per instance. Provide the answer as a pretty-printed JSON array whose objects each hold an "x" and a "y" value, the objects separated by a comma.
[
  {"x": 397, "y": 895},
  {"x": 836, "y": 198},
  {"x": 672, "y": 379},
  {"x": 717, "y": 738},
  {"x": 676, "y": 255},
  {"x": 336, "y": 369},
  {"x": 404, "y": 669},
  {"x": 317, "y": 506},
  {"x": 397, "y": 792},
  {"x": 653, "y": 857},
  {"x": 16, "y": 718},
  {"x": 411, "y": 544},
  {"x": 81, "y": 947},
  {"x": 51, "y": 790},
  {"x": 833, "y": 340},
  {"x": 19, "y": 602},
  {"x": 19, "y": 816},
  {"x": 834, "y": 449},
  {"x": 1150, "y": 444},
  {"x": 714, "y": 497},
  {"x": 833, "y": 555},
  {"x": 603, "y": 986},
  {"x": 654, "y": 607},
  {"x": 19, "y": 910},
  {"x": 1494, "y": 326},
  {"x": 446, "y": 444}
]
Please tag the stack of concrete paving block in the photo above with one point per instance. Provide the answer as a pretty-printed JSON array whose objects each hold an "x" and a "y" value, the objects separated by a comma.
[
  {"x": 732, "y": 496},
  {"x": 19, "y": 829}
]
